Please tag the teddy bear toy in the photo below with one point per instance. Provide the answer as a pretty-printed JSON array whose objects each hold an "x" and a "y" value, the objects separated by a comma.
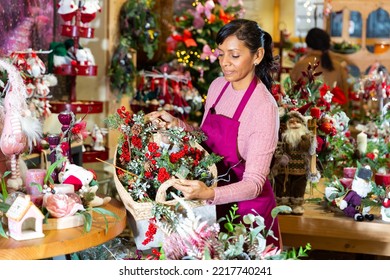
[
  {"x": 351, "y": 203},
  {"x": 84, "y": 182}
]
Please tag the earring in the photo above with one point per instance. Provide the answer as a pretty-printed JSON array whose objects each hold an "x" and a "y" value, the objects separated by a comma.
[{"x": 255, "y": 63}]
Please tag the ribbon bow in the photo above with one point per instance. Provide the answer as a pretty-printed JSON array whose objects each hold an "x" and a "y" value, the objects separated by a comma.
[
  {"x": 209, "y": 54},
  {"x": 186, "y": 38}
]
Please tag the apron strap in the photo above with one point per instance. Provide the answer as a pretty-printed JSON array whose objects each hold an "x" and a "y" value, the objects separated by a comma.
[
  {"x": 219, "y": 96},
  {"x": 245, "y": 98}
]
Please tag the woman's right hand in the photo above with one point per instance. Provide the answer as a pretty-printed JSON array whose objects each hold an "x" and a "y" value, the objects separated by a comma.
[{"x": 163, "y": 119}]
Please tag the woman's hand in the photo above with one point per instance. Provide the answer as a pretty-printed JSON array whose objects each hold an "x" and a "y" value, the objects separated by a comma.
[
  {"x": 194, "y": 189},
  {"x": 163, "y": 119}
]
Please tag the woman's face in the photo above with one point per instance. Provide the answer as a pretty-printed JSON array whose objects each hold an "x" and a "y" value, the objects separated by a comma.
[{"x": 237, "y": 62}]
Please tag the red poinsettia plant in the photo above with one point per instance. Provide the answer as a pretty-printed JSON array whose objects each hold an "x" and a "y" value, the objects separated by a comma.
[{"x": 148, "y": 155}]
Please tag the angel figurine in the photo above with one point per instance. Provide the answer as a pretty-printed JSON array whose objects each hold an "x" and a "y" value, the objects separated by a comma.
[{"x": 98, "y": 134}]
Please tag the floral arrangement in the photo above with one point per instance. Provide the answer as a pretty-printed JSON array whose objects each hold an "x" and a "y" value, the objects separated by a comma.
[
  {"x": 145, "y": 162},
  {"x": 195, "y": 239},
  {"x": 344, "y": 47},
  {"x": 192, "y": 41},
  {"x": 297, "y": 51},
  {"x": 321, "y": 105},
  {"x": 370, "y": 91},
  {"x": 336, "y": 189}
]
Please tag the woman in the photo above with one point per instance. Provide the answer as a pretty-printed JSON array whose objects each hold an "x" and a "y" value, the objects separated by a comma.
[
  {"x": 333, "y": 68},
  {"x": 241, "y": 122}
]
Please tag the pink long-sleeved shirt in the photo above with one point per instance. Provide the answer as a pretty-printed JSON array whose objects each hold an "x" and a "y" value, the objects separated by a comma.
[{"x": 257, "y": 137}]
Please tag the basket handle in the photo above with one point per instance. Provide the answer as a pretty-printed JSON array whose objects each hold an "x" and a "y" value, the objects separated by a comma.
[{"x": 161, "y": 195}]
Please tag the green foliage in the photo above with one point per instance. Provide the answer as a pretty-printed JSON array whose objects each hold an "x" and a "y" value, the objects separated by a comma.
[
  {"x": 4, "y": 185},
  {"x": 105, "y": 213},
  {"x": 87, "y": 216},
  {"x": 138, "y": 32},
  {"x": 246, "y": 239},
  {"x": 3, "y": 209},
  {"x": 87, "y": 220},
  {"x": 294, "y": 255},
  {"x": 48, "y": 178}
]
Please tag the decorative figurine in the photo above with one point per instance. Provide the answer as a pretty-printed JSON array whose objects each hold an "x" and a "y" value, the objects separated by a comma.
[
  {"x": 292, "y": 161},
  {"x": 98, "y": 138},
  {"x": 20, "y": 129},
  {"x": 84, "y": 181},
  {"x": 25, "y": 220},
  {"x": 351, "y": 202}
]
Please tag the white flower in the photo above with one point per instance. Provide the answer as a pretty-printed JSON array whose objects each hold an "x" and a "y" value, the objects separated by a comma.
[{"x": 328, "y": 96}]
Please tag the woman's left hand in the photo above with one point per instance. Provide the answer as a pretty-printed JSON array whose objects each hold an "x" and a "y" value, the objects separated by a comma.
[{"x": 194, "y": 189}]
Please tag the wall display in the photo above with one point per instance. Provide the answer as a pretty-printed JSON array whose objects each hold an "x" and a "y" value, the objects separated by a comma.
[{"x": 26, "y": 24}]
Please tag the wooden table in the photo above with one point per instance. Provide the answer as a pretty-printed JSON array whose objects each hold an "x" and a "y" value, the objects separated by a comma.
[
  {"x": 66, "y": 241},
  {"x": 326, "y": 230}
]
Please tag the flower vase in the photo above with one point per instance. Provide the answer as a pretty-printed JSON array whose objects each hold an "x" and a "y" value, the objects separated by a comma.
[
  {"x": 33, "y": 178},
  {"x": 54, "y": 140},
  {"x": 65, "y": 118}
]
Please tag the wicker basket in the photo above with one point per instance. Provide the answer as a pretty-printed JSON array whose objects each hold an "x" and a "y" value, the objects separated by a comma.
[{"x": 141, "y": 212}]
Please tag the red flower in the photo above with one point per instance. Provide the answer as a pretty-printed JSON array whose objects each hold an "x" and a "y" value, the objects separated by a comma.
[
  {"x": 152, "y": 230},
  {"x": 152, "y": 147},
  {"x": 80, "y": 129},
  {"x": 163, "y": 175},
  {"x": 64, "y": 147},
  {"x": 370, "y": 156},
  {"x": 338, "y": 96},
  {"x": 326, "y": 127},
  {"x": 136, "y": 142}
]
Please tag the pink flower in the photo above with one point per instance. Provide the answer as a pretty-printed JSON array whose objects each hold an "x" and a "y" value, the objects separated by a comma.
[
  {"x": 80, "y": 130},
  {"x": 269, "y": 251},
  {"x": 61, "y": 205}
]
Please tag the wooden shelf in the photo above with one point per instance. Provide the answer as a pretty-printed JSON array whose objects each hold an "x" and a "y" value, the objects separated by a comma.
[{"x": 90, "y": 155}]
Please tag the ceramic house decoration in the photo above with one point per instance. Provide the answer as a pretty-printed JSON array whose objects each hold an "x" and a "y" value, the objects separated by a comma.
[{"x": 24, "y": 219}]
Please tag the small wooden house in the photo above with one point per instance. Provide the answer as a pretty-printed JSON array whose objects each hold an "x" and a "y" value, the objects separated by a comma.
[{"x": 25, "y": 220}]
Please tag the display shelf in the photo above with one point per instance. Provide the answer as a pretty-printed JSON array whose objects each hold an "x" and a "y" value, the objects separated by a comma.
[
  {"x": 77, "y": 31},
  {"x": 77, "y": 107},
  {"x": 76, "y": 70},
  {"x": 362, "y": 58},
  {"x": 90, "y": 155}
]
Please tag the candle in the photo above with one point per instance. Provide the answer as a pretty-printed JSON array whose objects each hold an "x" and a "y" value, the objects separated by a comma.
[
  {"x": 382, "y": 179},
  {"x": 34, "y": 176},
  {"x": 361, "y": 141}
]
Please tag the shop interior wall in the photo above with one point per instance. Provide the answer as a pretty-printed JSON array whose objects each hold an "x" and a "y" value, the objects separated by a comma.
[{"x": 106, "y": 37}]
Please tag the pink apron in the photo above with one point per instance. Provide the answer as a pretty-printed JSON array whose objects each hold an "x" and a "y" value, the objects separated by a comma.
[{"x": 222, "y": 133}]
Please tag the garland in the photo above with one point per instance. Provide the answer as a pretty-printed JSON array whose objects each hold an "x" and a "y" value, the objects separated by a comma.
[{"x": 138, "y": 31}]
